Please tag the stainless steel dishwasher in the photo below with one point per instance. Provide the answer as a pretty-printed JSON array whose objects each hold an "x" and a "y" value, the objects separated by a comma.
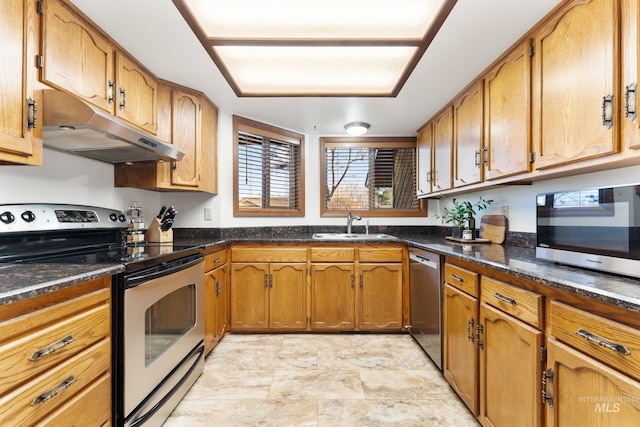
[{"x": 425, "y": 289}]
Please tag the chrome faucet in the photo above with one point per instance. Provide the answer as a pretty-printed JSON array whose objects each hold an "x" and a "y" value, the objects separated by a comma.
[{"x": 350, "y": 219}]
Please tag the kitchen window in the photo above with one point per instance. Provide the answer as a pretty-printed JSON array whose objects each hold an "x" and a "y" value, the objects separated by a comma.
[
  {"x": 370, "y": 176},
  {"x": 268, "y": 175}
]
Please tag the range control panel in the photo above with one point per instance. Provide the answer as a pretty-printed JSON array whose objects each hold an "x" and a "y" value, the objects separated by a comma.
[{"x": 53, "y": 217}]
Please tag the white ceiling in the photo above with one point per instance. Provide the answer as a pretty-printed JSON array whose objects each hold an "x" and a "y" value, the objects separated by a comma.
[{"x": 475, "y": 34}]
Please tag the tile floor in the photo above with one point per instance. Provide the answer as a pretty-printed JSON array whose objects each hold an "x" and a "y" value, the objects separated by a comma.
[{"x": 320, "y": 380}]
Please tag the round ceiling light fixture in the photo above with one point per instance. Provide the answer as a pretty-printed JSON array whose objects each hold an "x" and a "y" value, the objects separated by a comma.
[{"x": 357, "y": 128}]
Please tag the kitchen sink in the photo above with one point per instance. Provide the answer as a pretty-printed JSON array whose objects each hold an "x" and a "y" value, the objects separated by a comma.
[{"x": 352, "y": 236}]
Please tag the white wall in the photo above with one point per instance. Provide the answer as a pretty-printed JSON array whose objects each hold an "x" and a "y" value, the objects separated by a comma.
[{"x": 65, "y": 178}]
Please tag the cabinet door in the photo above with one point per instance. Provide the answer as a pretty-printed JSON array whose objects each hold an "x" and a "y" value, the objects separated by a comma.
[
  {"x": 186, "y": 136},
  {"x": 76, "y": 57},
  {"x": 137, "y": 94},
  {"x": 380, "y": 296},
  {"x": 468, "y": 136},
  {"x": 287, "y": 296},
  {"x": 443, "y": 150},
  {"x": 583, "y": 392},
  {"x": 510, "y": 371},
  {"x": 630, "y": 59},
  {"x": 507, "y": 113},
  {"x": 249, "y": 296},
  {"x": 574, "y": 72},
  {"x": 18, "y": 143},
  {"x": 332, "y": 296},
  {"x": 424, "y": 151},
  {"x": 222, "y": 302},
  {"x": 460, "y": 351},
  {"x": 209, "y": 153}
]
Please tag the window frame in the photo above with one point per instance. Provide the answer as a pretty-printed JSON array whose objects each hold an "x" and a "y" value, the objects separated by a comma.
[
  {"x": 367, "y": 142},
  {"x": 269, "y": 131}
]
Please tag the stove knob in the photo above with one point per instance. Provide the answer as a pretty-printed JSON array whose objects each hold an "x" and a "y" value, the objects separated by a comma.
[
  {"x": 7, "y": 217},
  {"x": 122, "y": 218},
  {"x": 28, "y": 216},
  {"x": 113, "y": 217}
]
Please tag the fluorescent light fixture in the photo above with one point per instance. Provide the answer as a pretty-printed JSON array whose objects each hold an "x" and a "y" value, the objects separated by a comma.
[
  {"x": 357, "y": 128},
  {"x": 315, "y": 47}
]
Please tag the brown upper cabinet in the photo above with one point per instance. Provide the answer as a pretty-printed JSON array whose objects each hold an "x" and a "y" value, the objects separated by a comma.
[
  {"x": 575, "y": 79},
  {"x": 424, "y": 153},
  {"x": 467, "y": 136},
  {"x": 507, "y": 113},
  {"x": 442, "y": 150},
  {"x": 188, "y": 120},
  {"x": 20, "y": 132},
  {"x": 78, "y": 58},
  {"x": 629, "y": 60}
]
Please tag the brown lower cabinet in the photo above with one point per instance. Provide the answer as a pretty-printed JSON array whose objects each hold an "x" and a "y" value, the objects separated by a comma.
[{"x": 216, "y": 298}]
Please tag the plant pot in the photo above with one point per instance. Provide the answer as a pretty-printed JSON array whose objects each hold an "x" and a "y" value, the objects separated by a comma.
[{"x": 456, "y": 232}]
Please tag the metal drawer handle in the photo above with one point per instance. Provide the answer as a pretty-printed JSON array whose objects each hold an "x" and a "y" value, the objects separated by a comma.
[
  {"x": 38, "y": 354},
  {"x": 54, "y": 391},
  {"x": 457, "y": 278},
  {"x": 603, "y": 342},
  {"x": 470, "y": 329},
  {"x": 607, "y": 111},
  {"x": 217, "y": 260},
  {"x": 630, "y": 101},
  {"x": 503, "y": 298}
]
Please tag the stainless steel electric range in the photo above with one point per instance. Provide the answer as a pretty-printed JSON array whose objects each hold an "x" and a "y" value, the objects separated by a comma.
[{"x": 158, "y": 301}]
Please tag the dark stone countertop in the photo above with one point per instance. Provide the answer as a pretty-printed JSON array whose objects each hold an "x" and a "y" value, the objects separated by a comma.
[
  {"x": 23, "y": 281},
  {"x": 612, "y": 289}
]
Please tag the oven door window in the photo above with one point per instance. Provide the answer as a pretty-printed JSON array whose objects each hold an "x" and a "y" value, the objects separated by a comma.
[{"x": 168, "y": 320}]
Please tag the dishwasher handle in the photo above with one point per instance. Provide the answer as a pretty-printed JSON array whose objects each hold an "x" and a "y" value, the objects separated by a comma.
[{"x": 424, "y": 261}]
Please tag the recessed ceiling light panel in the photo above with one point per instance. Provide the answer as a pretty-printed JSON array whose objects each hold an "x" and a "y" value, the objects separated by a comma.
[{"x": 315, "y": 47}]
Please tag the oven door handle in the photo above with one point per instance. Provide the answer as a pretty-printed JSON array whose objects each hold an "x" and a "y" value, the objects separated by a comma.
[
  {"x": 138, "y": 277},
  {"x": 154, "y": 409}
]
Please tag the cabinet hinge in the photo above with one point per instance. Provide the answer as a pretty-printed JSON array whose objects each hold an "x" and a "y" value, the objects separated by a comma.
[
  {"x": 543, "y": 354},
  {"x": 532, "y": 50},
  {"x": 532, "y": 157},
  {"x": 39, "y": 61},
  {"x": 40, "y": 8}
]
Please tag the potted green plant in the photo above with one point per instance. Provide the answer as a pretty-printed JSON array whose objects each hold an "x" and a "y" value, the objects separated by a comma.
[{"x": 462, "y": 214}]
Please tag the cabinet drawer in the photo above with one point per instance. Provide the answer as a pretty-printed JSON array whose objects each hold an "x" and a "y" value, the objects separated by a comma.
[
  {"x": 96, "y": 396},
  {"x": 48, "y": 392},
  {"x": 333, "y": 254},
  {"x": 49, "y": 338},
  {"x": 215, "y": 260},
  {"x": 269, "y": 254},
  {"x": 520, "y": 303},
  {"x": 608, "y": 341},
  {"x": 380, "y": 254},
  {"x": 461, "y": 278}
]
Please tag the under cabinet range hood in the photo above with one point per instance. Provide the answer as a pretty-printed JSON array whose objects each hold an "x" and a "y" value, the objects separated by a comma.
[{"x": 74, "y": 126}]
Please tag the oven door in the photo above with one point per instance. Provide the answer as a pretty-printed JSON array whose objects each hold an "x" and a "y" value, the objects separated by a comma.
[{"x": 163, "y": 326}]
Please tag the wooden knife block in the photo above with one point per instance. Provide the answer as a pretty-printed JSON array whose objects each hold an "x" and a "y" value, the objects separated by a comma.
[{"x": 155, "y": 235}]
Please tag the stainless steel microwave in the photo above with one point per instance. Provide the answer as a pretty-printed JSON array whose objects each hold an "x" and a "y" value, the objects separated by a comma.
[{"x": 596, "y": 228}]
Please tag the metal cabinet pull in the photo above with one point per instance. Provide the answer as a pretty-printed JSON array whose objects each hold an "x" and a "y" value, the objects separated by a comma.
[
  {"x": 266, "y": 280},
  {"x": 470, "y": 329},
  {"x": 218, "y": 288},
  {"x": 607, "y": 111},
  {"x": 32, "y": 118},
  {"x": 38, "y": 354},
  {"x": 457, "y": 278},
  {"x": 485, "y": 156},
  {"x": 479, "y": 332},
  {"x": 110, "y": 92},
  {"x": 123, "y": 98},
  {"x": 477, "y": 158},
  {"x": 353, "y": 281},
  {"x": 271, "y": 280},
  {"x": 506, "y": 299},
  {"x": 54, "y": 391},
  {"x": 217, "y": 260},
  {"x": 603, "y": 342},
  {"x": 630, "y": 101},
  {"x": 547, "y": 398}
]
